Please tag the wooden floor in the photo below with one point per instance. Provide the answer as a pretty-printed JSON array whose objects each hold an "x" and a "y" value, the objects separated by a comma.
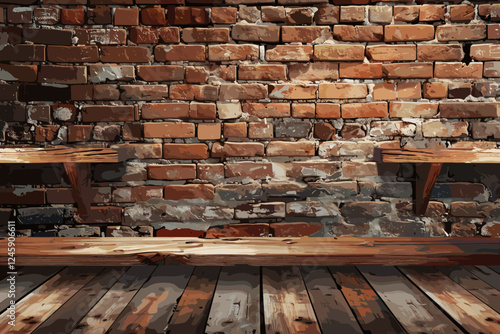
[{"x": 245, "y": 299}]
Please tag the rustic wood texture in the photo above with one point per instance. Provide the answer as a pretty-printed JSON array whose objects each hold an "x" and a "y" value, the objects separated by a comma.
[
  {"x": 37, "y": 306},
  {"x": 80, "y": 177},
  {"x": 236, "y": 304},
  {"x": 468, "y": 311},
  {"x": 332, "y": 311},
  {"x": 65, "y": 319},
  {"x": 191, "y": 313},
  {"x": 57, "y": 154},
  {"x": 426, "y": 176},
  {"x": 152, "y": 307},
  {"x": 412, "y": 308},
  {"x": 287, "y": 308},
  {"x": 371, "y": 312},
  {"x": 100, "y": 318},
  {"x": 482, "y": 290},
  {"x": 255, "y": 251},
  {"x": 486, "y": 274},
  {"x": 449, "y": 155}
]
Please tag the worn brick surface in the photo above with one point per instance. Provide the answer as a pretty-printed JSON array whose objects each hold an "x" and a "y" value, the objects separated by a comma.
[{"x": 262, "y": 117}]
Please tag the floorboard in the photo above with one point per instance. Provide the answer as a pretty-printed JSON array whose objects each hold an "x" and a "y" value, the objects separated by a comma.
[{"x": 486, "y": 274}]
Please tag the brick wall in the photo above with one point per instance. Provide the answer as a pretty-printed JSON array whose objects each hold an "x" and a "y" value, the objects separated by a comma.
[{"x": 250, "y": 117}]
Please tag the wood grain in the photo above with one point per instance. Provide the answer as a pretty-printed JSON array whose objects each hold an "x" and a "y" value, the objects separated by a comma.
[
  {"x": 80, "y": 176},
  {"x": 486, "y": 274},
  {"x": 412, "y": 308},
  {"x": 371, "y": 312},
  {"x": 426, "y": 176},
  {"x": 152, "y": 307},
  {"x": 449, "y": 155},
  {"x": 191, "y": 313},
  {"x": 287, "y": 308},
  {"x": 330, "y": 306},
  {"x": 468, "y": 311},
  {"x": 255, "y": 251},
  {"x": 57, "y": 154},
  {"x": 236, "y": 305}
]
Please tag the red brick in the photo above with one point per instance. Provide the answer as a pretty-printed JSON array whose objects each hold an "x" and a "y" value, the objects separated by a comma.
[
  {"x": 484, "y": 52},
  {"x": 99, "y": 15},
  {"x": 26, "y": 73},
  {"x": 406, "y": 13},
  {"x": 435, "y": 90},
  {"x": 253, "y": 170},
  {"x": 409, "y": 90},
  {"x": 210, "y": 172},
  {"x": 469, "y": 110},
  {"x": 352, "y": 14},
  {"x": 180, "y": 232},
  {"x": 143, "y": 35},
  {"x": 432, "y": 12},
  {"x": 18, "y": 15},
  {"x": 327, "y": 110},
  {"x": 324, "y": 131},
  {"x": 310, "y": 34},
  {"x": 262, "y": 72},
  {"x": 493, "y": 31},
  {"x": 358, "y": 33},
  {"x": 62, "y": 74},
  {"x": 260, "y": 130},
  {"x": 461, "y": 13},
  {"x": 267, "y": 110},
  {"x": 380, "y": 14},
  {"x": 46, "y": 133},
  {"x": 172, "y": 172},
  {"x": 78, "y": 133},
  {"x": 235, "y": 130},
  {"x": 360, "y": 70},
  {"x": 209, "y": 131},
  {"x": 101, "y": 36},
  {"x": 143, "y": 92},
  {"x": 292, "y": 92},
  {"x": 313, "y": 71},
  {"x": 339, "y": 52},
  {"x": 189, "y": 191},
  {"x": 492, "y": 69},
  {"x": 230, "y": 149},
  {"x": 291, "y": 149},
  {"x": 153, "y": 16},
  {"x": 193, "y": 92},
  {"x": 127, "y": 16},
  {"x": 408, "y": 70},
  {"x": 414, "y": 32},
  {"x": 12, "y": 35},
  {"x": 196, "y": 16},
  {"x": 303, "y": 110},
  {"x": 342, "y": 91},
  {"x": 161, "y": 72},
  {"x": 413, "y": 110},
  {"x": 180, "y": 52},
  {"x": 440, "y": 52},
  {"x": 289, "y": 53},
  {"x": 165, "y": 110},
  {"x": 73, "y": 16},
  {"x": 461, "y": 32},
  {"x": 287, "y": 230},
  {"x": 205, "y": 35},
  {"x": 125, "y": 54},
  {"x": 108, "y": 113},
  {"x": 358, "y": 110},
  {"x": 70, "y": 54},
  {"x": 458, "y": 70},
  {"x": 391, "y": 52},
  {"x": 202, "y": 110},
  {"x": 169, "y": 130},
  {"x": 185, "y": 151},
  {"x": 242, "y": 92},
  {"x": 224, "y": 15},
  {"x": 256, "y": 33},
  {"x": 233, "y": 52},
  {"x": 22, "y": 52},
  {"x": 327, "y": 14},
  {"x": 239, "y": 230}
]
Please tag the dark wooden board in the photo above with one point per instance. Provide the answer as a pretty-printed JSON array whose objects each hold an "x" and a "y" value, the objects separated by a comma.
[
  {"x": 191, "y": 313},
  {"x": 71, "y": 313},
  {"x": 150, "y": 309},
  {"x": 287, "y": 308},
  {"x": 331, "y": 308},
  {"x": 486, "y": 274},
  {"x": 41, "y": 303},
  {"x": 411, "y": 307},
  {"x": 468, "y": 311},
  {"x": 371, "y": 312},
  {"x": 100, "y": 318},
  {"x": 255, "y": 251},
  {"x": 495, "y": 268},
  {"x": 236, "y": 304}
]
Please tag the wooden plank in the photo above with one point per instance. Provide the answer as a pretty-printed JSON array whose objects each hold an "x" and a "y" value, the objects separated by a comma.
[
  {"x": 426, "y": 176},
  {"x": 468, "y": 311},
  {"x": 100, "y": 318},
  {"x": 191, "y": 313},
  {"x": 236, "y": 305},
  {"x": 27, "y": 279},
  {"x": 152, "y": 307},
  {"x": 80, "y": 176},
  {"x": 482, "y": 290},
  {"x": 287, "y": 308},
  {"x": 71, "y": 313},
  {"x": 495, "y": 268},
  {"x": 486, "y": 274},
  {"x": 37, "y": 306},
  {"x": 57, "y": 154},
  {"x": 255, "y": 251},
  {"x": 332, "y": 311},
  {"x": 372, "y": 314},
  {"x": 412, "y": 308},
  {"x": 449, "y": 155}
]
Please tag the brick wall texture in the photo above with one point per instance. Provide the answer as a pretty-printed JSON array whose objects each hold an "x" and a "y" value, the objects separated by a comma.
[{"x": 251, "y": 117}]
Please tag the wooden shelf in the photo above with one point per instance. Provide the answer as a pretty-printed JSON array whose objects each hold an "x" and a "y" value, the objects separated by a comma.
[{"x": 254, "y": 251}]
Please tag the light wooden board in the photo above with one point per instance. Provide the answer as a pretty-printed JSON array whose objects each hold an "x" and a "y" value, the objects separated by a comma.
[
  {"x": 468, "y": 311},
  {"x": 57, "y": 154},
  {"x": 109, "y": 307},
  {"x": 27, "y": 279},
  {"x": 287, "y": 308},
  {"x": 450, "y": 155},
  {"x": 71, "y": 313},
  {"x": 152, "y": 307},
  {"x": 371, "y": 312},
  {"x": 470, "y": 282},
  {"x": 255, "y": 251},
  {"x": 236, "y": 305},
  {"x": 40, "y": 304},
  {"x": 412, "y": 308},
  {"x": 191, "y": 313},
  {"x": 331, "y": 308},
  {"x": 486, "y": 274}
]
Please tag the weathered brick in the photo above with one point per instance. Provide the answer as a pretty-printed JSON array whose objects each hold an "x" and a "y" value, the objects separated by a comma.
[
  {"x": 100, "y": 36},
  {"x": 286, "y": 230},
  {"x": 442, "y": 52},
  {"x": 172, "y": 172},
  {"x": 432, "y": 13},
  {"x": 210, "y": 172},
  {"x": 235, "y": 130},
  {"x": 267, "y": 110},
  {"x": 492, "y": 69},
  {"x": 357, "y": 110},
  {"x": 444, "y": 128},
  {"x": 108, "y": 113},
  {"x": 161, "y": 72},
  {"x": 482, "y": 52},
  {"x": 62, "y": 74},
  {"x": 363, "y": 149},
  {"x": 358, "y": 33},
  {"x": 342, "y": 91},
  {"x": 169, "y": 130},
  {"x": 26, "y": 73},
  {"x": 289, "y": 53},
  {"x": 189, "y": 191},
  {"x": 313, "y": 71},
  {"x": 233, "y": 52},
  {"x": 205, "y": 35},
  {"x": 391, "y": 52},
  {"x": 224, "y": 15},
  {"x": 193, "y": 92},
  {"x": 314, "y": 35},
  {"x": 242, "y": 92},
  {"x": 392, "y": 128},
  {"x": 108, "y": 72},
  {"x": 180, "y": 52},
  {"x": 260, "y": 210},
  {"x": 237, "y": 149},
  {"x": 408, "y": 70},
  {"x": 253, "y": 170},
  {"x": 291, "y": 149},
  {"x": 292, "y": 91},
  {"x": 256, "y": 33},
  {"x": 327, "y": 14},
  {"x": 303, "y": 110},
  {"x": 413, "y": 109},
  {"x": 202, "y": 110},
  {"x": 262, "y": 72},
  {"x": 125, "y": 54},
  {"x": 360, "y": 70},
  {"x": 352, "y": 14},
  {"x": 73, "y": 16},
  {"x": 469, "y": 110},
  {"x": 435, "y": 90},
  {"x": 380, "y": 14},
  {"x": 152, "y": 16},
  {"x": 22, "y": 52},
  {"x": 406, "y": 13},
  {"x": 69, "y": 54},
  {"x": 461, "y": 13},
  {"x": 44, "y": 36},
  {"x": 414, "y": 32},
  {"x": 339, "y": 52},
  {"x": 458, "y": 70},
  {"x": 49, "y": 15},
  {"x": 461, "y": 32}
]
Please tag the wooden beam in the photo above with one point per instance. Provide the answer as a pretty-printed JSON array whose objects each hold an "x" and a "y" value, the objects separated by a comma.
[
  {"x": 450, "y": 155},
  {"x": 426, "y": 176},
  {"x": 391, "y": 251},
  {"x": 80, "y": 178},
  {"x": 57, "y": 154}
]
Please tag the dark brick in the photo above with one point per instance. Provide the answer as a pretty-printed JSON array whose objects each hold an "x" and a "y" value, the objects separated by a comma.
[
  {"x": 47, "y": 36},
  {"x": 30, "y": 93}
]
